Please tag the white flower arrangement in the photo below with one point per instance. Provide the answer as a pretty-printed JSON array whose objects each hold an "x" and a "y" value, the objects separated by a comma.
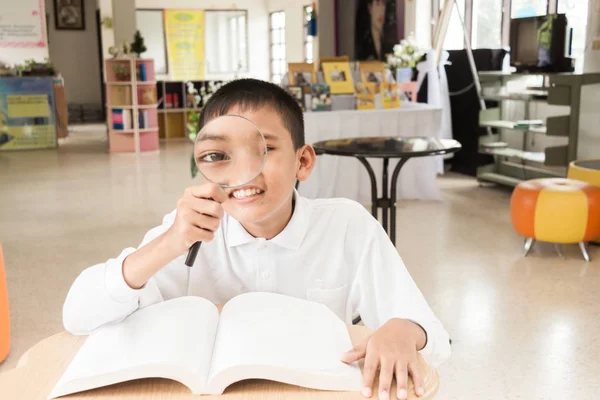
[{"x": 406, "y": 55}]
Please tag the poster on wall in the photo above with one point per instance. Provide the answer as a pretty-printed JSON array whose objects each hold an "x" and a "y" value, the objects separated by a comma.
[
  {"x": 24, "y": 25},
  {"x": 376, "y": 30},
  {"x": 184, "y": 30},
  {"x": 26, "y": 114}
]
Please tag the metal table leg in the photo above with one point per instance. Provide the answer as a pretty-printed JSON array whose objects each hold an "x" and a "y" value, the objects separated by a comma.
[
  {"x": 395, "y": 174},
  {"x": 384, "y": 196},
  {"x": 373, "y": 185}
]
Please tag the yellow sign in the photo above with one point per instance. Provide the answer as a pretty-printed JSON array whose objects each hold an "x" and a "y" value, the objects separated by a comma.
[
  {"x": 184, "y": 30},
  {"x": 28, "y": 137},
  {"x": 28, "y": 106}
]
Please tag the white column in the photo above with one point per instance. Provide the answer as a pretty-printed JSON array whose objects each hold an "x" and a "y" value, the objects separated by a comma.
[{"x": 589, "y": 135}]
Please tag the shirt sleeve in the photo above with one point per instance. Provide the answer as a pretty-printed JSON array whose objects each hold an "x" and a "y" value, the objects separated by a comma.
[
  {"x": 383, "y": 289},
  {"x": 100, "y": 295}
]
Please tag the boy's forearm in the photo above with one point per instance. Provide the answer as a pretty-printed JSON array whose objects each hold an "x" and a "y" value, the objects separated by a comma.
[{"x": 146, "y": 261}]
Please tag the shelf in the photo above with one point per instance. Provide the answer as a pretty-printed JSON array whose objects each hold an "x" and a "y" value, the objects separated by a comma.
[
  {"x": 147, "y": 105},
  {"x": 145, "y": 82},
  {"x": 120, "y": 83},
  {"x": 538, "y": 157},
  {"x": 148, "y": 130},
  {"x": 111, "y": 106},
  {"x": 498, "y": 178},
  {"x": 526, "y": 95},
  {"x": 121, "y": 130},
  {"x": 511, "y": 125}
]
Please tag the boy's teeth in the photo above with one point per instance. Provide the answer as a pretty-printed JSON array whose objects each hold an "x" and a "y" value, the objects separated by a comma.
[{"x": 242, "y": 193}]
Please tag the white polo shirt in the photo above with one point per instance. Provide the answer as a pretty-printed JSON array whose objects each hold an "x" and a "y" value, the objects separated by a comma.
[{"x": 332, "y": 251}]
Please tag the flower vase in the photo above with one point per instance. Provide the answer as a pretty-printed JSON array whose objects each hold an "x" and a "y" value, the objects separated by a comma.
[{"x": 404, "y": 74}]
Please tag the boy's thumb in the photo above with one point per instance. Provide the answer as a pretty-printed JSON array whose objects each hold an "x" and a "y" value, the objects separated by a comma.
[{"x": 356, "y": 353}]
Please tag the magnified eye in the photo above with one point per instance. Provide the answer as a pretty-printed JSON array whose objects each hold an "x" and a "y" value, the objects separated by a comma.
[{"x": 212, "y": 157}]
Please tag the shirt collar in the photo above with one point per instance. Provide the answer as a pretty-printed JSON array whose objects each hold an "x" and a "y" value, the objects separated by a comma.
[{"x": 291, "y": 237}]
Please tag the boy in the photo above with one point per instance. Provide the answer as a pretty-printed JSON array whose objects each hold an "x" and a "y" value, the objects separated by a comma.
[{"x": 265, "y": 237}]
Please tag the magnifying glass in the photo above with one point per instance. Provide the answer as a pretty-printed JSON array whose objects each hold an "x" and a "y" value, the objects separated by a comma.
[{"x": 231, "y": 152}]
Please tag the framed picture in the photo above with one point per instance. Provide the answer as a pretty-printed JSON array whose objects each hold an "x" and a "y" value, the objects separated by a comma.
[
  {"x": 390, "y": 96},
  {"x": 297, "y": 92},
  {"x": 69, "y": 14},
  {"x": 301, "y": 74},
  {"x": 320, "y": 98},
  {"x": 372, "y": 71},
  {"x": 339, "y": 77},
  {"x": 332, "y": 59}
]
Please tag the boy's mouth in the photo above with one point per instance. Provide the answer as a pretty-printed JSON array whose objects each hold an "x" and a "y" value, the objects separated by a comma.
[{"x": 246, "y": 192}]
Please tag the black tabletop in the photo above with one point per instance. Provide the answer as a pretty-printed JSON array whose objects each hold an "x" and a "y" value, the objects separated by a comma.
[{"x": 387, "y": 147}]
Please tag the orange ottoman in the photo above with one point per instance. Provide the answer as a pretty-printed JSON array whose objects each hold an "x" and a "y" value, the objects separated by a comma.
[
  {"x": 586, "y": 171},
  {"x": 556, "y": 210}
]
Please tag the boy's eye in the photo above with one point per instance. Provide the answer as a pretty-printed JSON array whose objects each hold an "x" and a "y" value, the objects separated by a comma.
[
  {"x": 269, "y": 148},
  {"x": 213, "y": 157}
]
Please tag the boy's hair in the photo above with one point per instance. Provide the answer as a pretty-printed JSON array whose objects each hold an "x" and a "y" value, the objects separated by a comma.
[{"x": 252, "y": 94}]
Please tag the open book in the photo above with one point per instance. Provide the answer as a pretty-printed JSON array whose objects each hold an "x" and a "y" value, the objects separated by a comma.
[{"x": 257, "y": 336}]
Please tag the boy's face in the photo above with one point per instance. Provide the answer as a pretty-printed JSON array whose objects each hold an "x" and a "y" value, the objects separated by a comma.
[{"x": 269, "y": 202}]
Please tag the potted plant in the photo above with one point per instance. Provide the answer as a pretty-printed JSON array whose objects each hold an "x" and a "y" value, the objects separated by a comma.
[
  {"x": 137, "y": 46},
  {"x": 122, "y": 72},
  {"x": 34, "y": 68},
  {"x": 403, "y": 61}
]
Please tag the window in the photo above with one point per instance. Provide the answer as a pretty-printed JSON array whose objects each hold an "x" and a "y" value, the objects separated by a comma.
[
  {"x": 277, "y": 34},
  {"x": 577, "y": 15},
  {"x": 487, "y": 24},
  {"x": 528, "y": 8},
  {"x": 225, "y": 41},
  {"x": 237, "y": 43},
  {"x": 455, "y": 39},
  {"x": 308, "y": 40}
]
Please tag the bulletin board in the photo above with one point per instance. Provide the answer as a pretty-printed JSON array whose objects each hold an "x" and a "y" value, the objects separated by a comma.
[{"x": 27, "y": 114}]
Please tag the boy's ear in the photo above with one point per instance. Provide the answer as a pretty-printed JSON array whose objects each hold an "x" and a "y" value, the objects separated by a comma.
[{"x": 306, "y": 162}]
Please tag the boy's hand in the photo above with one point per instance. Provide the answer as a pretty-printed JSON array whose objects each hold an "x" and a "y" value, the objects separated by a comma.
[
  {"x": 392, "y": 350},
  {"x": 199, "y": 214}
]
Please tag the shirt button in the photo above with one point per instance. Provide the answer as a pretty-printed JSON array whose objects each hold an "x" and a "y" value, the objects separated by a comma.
[{"x": 265, "y": 275}]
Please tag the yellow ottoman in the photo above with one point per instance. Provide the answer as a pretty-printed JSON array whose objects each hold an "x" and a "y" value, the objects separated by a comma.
[
  {"x": 586, "y": 171},
  {"x": 556, "y": 210}
]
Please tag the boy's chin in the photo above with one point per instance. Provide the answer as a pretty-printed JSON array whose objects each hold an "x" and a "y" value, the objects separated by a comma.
[{"x": 247, "y": 214}]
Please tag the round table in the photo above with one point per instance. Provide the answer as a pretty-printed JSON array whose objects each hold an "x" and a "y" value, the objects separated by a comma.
[{"x": 402, "y": 148}]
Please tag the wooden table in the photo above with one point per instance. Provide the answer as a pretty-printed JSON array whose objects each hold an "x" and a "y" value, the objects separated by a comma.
[{"x": 40, "y": 368}]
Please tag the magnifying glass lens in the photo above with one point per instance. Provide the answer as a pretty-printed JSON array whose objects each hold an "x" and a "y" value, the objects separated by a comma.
[{"x": 230, "y": 151}]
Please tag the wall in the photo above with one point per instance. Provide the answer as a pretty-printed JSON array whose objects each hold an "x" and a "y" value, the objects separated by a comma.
[
  {"x": 75, "y": 56},
  {"x": 258, "y": 29},
  {"x": 124, "y": 19},
  {"x": 326, "y": 28},
  {"x": 589, "y": 133},
  {"x": 346, "y": 22}
]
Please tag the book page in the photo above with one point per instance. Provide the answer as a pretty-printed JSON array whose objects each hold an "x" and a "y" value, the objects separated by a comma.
[
  {"x": 172, "y": 339},
  {"x": 281, "y": 338}
]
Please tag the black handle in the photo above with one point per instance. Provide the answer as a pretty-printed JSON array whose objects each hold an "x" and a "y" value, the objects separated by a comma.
[{"x": 191, "y": 257}]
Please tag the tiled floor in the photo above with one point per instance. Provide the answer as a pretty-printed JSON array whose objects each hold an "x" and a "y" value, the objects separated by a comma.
[{"x": 521, "y": 328}]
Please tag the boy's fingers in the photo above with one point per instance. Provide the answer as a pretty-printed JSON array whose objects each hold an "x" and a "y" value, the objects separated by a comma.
[
  {"x": 356, "y": 353},
  {"x": 369, "y": 372},
  {"x": 208, "y": 191},
  {"x": 207, "y": 207},
  {"x": 417, "y": 378},
  {"x": 386, "y": 374},
  {"x": 401, "y": 380}
]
